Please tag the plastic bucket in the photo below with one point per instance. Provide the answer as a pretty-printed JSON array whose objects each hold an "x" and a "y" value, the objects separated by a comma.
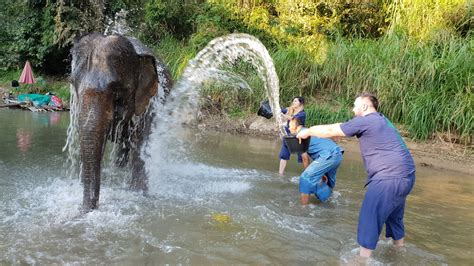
[
  {"x": 323, "y": 191},
  {"x": 294, "y": 145},
  {"x": 265, "y": 110}
]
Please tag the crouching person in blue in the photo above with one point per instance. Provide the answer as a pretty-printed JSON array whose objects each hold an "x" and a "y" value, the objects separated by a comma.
[
  {"x": 319, "y": 176},
  {"x": 390, "y": 171}
]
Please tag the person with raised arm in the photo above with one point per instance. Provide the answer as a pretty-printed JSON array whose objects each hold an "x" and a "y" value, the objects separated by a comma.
[
  {"x": 390, "y": 171},
  {"x": 295, "y": 110}
]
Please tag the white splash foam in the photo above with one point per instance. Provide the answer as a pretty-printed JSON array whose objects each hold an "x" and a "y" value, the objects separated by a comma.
[{"x": 194, "y": 181}]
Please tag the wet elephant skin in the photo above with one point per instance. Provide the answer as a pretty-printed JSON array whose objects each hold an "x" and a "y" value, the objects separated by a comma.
[{"x": 114, "y": 79}]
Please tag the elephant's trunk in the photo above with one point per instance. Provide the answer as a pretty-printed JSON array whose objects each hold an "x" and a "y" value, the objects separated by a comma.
[{"x": 94, "y": 119}]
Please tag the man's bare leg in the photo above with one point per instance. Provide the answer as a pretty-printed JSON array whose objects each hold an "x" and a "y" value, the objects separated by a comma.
[
  {"x": 365, "y": 252},
  {"x": 281, "y": 171},
  {"x": 304, "y": 199}
]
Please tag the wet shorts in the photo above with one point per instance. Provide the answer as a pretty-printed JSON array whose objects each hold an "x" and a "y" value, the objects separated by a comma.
[
  {"x": 384, "y": 203},
  {"x": 310, "y": 179}
]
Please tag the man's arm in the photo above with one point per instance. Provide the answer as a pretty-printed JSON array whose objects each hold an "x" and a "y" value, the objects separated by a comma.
[{"x": 322, "y": 131}]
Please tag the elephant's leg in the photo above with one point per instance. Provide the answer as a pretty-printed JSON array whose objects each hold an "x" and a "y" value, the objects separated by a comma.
[
  {"x": 139, "y": 179},
  {"x": 139, "y": 176}
]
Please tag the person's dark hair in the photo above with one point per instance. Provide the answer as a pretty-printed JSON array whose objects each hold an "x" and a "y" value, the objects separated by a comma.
[
  {"x": 15, "y": 83},
  {"x": 373, "y": 99},
  {"x": 300, "y": 99},
  {"x": 297, "y": 121}
]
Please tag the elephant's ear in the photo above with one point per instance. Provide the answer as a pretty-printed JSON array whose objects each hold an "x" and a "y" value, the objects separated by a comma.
[
  {"x": 148, "y": 78},
  {"x": 147, "y": 84}
]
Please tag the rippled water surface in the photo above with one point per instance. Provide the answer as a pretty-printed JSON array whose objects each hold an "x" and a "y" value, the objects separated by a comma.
[{"x": 196, "y": 180}]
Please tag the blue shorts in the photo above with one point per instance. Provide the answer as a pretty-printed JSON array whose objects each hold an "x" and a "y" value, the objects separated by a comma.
[
  {"x": 285, "y": 153},
  {"x": 384, "y": 203},
  {"x": 310, "y": 179}
]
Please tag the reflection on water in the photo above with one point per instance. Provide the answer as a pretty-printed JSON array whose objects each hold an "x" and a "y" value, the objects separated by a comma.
[
  {"x": 23, "y": 139},
  {"x": 207, "y": 175}
]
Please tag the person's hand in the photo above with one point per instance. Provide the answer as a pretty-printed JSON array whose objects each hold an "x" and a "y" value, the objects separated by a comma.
[
  {"x": 286, "y": 116},
  {"x": 303, "y": 134}
]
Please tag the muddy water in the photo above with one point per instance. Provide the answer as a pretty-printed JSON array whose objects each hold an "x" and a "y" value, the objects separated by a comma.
[{"x": 214, "y": 199}]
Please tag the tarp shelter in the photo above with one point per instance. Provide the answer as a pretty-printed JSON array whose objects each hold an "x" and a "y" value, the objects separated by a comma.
[{"x": 27, "y": 74}]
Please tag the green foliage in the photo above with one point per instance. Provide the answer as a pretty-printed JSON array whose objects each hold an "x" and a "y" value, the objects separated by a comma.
[
  {"x": 427, "y": 19},
  {"x": 170, "y": 16},
  {"x": 307, "y": 24},
  {"x": 208, "y": 27},
  {"x": 39, "y": 31},
  {"x": 326, "y": 113},
  {"x": 27, "y": 33},
  {"x": 7, "y": 76},
  {"x": 367, "y": 19},
  {"x": 175, "y": 54},
  {"x": 418, "y": 85},
  {"x": 77, "y": 17}
]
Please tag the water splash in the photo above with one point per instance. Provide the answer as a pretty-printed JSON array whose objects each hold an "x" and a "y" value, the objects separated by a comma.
[
  {"x": 182, "y": 104},
  {"x": 72, "y": 140},
  {"x": 118, "y": 24}
]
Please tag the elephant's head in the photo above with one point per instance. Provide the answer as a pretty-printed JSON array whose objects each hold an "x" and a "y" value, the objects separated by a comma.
[{"x": 114, "y": 78}]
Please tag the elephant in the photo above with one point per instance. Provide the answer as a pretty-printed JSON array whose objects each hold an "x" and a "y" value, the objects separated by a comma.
[{"x": 115, "y": 80}]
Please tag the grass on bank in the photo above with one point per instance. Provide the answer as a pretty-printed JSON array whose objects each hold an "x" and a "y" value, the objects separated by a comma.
[{"x": 425, "y": 86}]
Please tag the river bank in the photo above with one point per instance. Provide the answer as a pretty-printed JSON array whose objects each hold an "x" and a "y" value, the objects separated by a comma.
[{"x": 436, "y": 154}]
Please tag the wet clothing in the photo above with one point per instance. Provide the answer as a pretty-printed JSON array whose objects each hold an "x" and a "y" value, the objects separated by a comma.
[
  {"x": 384, "y": 202},
  {"x": 384, "y": 152},
  {"x": 390, "y": 177},
  {"x": 327, "y": 157},
  {"x": 285, "y": 151}
]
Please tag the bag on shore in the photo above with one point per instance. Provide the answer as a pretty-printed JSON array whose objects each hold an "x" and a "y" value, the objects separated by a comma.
[{"x": 265, "y": 110}]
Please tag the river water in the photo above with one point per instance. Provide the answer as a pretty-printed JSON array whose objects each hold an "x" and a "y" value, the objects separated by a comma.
[{"x": 217, "y": 201}]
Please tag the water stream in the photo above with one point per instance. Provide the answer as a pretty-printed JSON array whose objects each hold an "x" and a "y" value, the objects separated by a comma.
[{"x": 210, "y": 65}]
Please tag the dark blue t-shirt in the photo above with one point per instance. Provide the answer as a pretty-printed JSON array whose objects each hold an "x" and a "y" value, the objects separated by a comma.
[
  {"x": 301, "y": 116},
  {"x": 322, "y": 148},
  {"x": 383, "y": 150}
]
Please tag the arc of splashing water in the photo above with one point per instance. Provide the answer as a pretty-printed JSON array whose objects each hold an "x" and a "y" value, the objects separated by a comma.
[{"x": 205, "y": 66}]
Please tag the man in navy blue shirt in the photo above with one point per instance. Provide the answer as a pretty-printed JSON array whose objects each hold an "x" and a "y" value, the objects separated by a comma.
[
  {"x": 390, "y": 171},
  {"x": 319, "y": 176}
]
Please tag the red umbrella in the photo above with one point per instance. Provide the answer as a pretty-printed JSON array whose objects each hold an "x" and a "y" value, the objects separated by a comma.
[{"x": 27, "y": 74}]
